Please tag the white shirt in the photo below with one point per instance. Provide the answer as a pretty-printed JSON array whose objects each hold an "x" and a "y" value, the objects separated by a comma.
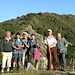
[{"x": 50, "y": 41}]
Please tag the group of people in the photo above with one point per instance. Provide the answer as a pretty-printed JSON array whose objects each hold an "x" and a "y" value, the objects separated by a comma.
[
  {"x": 16, "y": 51},
  {"x": 22, "y": 50},
  {"x": 56, "y": 46}
]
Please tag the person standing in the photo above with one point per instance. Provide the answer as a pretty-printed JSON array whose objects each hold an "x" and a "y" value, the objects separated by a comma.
[
  {"x": 25, "y": 40},
  {"x": 17, "y": 45},
  {"x": 33, "y": 44},
  {"x": 62, "y": 45},
  {"x": 50, "y": 42},
  {"x": 6, "y": 51}
]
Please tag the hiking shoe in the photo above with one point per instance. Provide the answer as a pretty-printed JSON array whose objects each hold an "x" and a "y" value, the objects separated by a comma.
[
  {"x": 32, "y": 66},
  {"x": 27, "y": 67},
  {"x": 7, "y": 70},
  {"x": 63, "y": 69},
  {"x": 2, "y": 71},
  {"x": 36, "y": 67}
]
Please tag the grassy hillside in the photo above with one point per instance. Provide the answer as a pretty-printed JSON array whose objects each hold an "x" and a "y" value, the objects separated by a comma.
[{"x": 65, "y": 24}]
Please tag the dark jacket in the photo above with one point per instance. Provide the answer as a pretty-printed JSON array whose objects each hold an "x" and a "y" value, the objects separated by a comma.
[{"x": 6, "y": 45}]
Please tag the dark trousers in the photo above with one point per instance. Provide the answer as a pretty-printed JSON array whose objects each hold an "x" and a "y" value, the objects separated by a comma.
[{"x": 54, "y": 55}]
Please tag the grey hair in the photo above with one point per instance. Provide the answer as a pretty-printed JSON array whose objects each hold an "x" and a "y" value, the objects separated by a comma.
[
  {"x": 8, "y": 32},
  {"x": 58, "y": 33}
]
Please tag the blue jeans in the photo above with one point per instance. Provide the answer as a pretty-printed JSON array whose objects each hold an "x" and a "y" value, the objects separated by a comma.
[{"x": 62, "y": 59}]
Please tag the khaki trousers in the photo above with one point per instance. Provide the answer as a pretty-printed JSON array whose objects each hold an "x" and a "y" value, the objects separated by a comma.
[{"x": 7, "y": 57}]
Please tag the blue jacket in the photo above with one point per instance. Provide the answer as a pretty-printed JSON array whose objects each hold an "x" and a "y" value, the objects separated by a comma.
[
  {"x": 32, "y": 45},
  {"x": 61, "y": 46},
  {"x": 16, "y": 43}
]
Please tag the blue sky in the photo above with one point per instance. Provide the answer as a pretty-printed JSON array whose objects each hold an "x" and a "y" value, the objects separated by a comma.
[{"x": 10, "y": 9}]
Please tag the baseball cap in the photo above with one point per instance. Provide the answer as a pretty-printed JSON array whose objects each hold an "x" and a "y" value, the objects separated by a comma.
[
  {"x": 49, "y": 30},
  {"x": 25, "y": 33}
]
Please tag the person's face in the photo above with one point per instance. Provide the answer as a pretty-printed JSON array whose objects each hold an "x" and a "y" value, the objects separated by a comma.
[
  {"x": 25, "y": 36},
  {"x": 8, "y": 35},
  {"x": 58, "y": 36},
  {"x": 18, "y": 36},
  {"x": 49, "y": 33},
  {"x": 33, "y": 37}
]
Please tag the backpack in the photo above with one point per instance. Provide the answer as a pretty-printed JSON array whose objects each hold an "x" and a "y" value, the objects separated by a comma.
[
  {"x": 66, "y": 47},
  {"x": 63, "y": 39}
]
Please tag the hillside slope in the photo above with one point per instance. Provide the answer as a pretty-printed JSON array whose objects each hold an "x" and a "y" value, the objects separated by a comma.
[{"x": 40, "y": 22}]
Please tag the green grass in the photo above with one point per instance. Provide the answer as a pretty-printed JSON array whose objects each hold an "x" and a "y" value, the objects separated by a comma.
[{"x": 37, "y": 72}]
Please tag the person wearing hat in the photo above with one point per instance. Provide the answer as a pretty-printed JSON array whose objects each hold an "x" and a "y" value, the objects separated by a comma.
[
  {"x": 50, "y": 42},
  {"x": 25, "y": 40}
]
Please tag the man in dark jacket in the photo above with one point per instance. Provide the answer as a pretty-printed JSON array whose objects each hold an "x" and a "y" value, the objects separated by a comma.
[{"x": 6, "y": 51}]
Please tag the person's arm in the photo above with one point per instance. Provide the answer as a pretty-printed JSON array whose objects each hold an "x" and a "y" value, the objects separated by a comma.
[
  {"x": 70, "y": 44},
  {"x": 53, "y": 44},
  {"x": 22, "y": 46},
  {"x": 19, "y": 47},
  {"x": 37, "y": 44},
  {"x": 28, "y": 44},
  {"x": 67, "y": 43},
  {"x": 13, "y": 45},
  {"x": 45, "y": 42},
  {"x": 2, "y": 48}
]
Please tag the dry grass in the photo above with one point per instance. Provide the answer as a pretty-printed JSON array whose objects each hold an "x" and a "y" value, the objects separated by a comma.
[{"x": 36, "y": 72}]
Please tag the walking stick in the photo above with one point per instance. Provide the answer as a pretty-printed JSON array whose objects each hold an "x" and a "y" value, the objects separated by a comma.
[{"x": 50, "y": 59}]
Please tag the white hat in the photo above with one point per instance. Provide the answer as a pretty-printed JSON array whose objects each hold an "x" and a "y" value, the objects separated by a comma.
[
  {"x": 49, "y": 30},
  {"x": 25, "y": 33}
]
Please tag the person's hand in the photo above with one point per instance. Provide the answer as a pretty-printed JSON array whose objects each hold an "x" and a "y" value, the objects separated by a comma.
[
  {"x": 26, "y": 45},
  {"x": 37, "y": 45},
  {"x": 70, "y": 44},
  {"x": 49, "y": 46},
  {"x": 19, "y": 47},
  {"x": 2, "y": 53}
]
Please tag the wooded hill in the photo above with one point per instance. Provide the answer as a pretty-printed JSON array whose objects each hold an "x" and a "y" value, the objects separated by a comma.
[{"x": 40, "y": 22}]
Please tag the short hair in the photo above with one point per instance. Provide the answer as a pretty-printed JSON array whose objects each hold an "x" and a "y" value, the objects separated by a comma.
[
  {"x": 33, "y": 35},
  {"x": 18, "y": 33},
  {"x": 8, "y": 32},
  {"x": 59, "y": 33}
]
